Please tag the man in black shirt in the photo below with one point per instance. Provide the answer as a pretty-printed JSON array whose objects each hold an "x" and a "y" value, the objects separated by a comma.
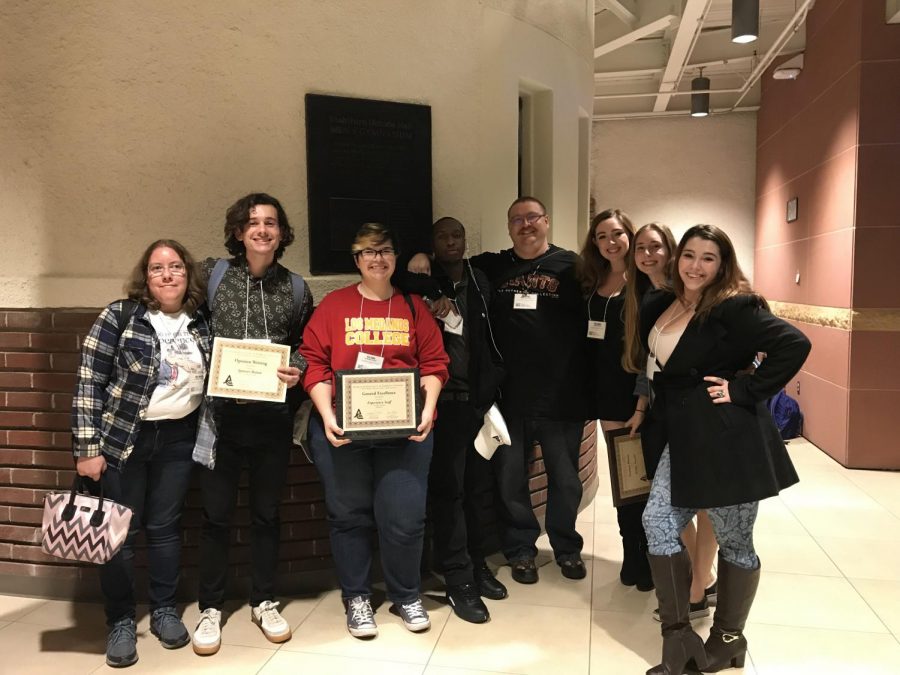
[
  {"x": 537, "y": 317},
  {"x": 458, "y": 474}
]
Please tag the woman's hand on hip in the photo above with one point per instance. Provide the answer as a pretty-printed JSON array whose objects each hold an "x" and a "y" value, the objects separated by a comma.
[
  {"x": 718, "y": 392},
  {"x": 92, "y": 467}
]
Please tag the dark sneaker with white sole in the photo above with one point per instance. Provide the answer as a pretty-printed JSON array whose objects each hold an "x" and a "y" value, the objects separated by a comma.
[{"x": 168, "y": 627}]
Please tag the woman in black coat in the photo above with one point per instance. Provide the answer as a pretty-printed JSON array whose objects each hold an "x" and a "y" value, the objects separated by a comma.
[{"x": 709, "y": 440}]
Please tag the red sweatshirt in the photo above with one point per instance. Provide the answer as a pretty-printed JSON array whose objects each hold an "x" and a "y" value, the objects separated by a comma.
[{"x": 339, "y": 329}]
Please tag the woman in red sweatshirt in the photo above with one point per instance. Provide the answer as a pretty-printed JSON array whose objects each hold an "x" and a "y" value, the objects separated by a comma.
[{"x": 374, "y": 483}]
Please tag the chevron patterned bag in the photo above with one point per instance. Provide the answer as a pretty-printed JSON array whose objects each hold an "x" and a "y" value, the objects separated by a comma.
[{"x": 81, "y": 527}]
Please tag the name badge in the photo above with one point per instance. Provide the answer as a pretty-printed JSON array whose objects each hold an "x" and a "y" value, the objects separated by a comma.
[
  {"x": 368, "y": 361},
  {"x": 596, "y": 330},
  {"x": 454, "y": 328},
  {"x": 525, "y": 301}
]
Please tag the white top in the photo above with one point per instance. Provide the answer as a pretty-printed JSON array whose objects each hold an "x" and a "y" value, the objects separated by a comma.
[{"x": 179, "y": 387}]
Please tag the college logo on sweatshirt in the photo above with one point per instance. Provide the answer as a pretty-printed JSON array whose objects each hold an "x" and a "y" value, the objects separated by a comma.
[{"x": 376, "y": 330}]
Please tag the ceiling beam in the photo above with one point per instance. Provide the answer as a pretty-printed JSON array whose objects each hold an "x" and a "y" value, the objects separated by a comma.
[
  {"x": 624, "y": 10},
  {"x": 635, "y": 35},
  {"x": 682, "y": 45}
]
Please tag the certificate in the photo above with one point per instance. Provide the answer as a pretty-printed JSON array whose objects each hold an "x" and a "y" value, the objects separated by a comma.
[
  {"x": 247, "y": 370},
  {"x": 627, "y": 473},
  {"x": 378, "y": 404}
]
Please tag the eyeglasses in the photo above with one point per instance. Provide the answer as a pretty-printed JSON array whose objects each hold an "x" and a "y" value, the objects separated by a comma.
[
  {"x": 175, "y": 269},
  {"x": 530, "y": 218},
  {"x": 372, "y": 253}
]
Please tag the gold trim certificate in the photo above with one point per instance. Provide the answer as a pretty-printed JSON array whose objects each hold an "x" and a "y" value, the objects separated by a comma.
[
  {"x": 247, "y": 370},
  {"x": 384, "y": 403}
]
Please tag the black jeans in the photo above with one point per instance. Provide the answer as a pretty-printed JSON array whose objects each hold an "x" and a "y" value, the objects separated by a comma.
[
  {"x": 369, "y": 484},
  {"x": 560, "y": 443},
  {"x": 259, "y": 436},
  {"x": 153, "y": 482},
  {"x": 457, "y": 482}
]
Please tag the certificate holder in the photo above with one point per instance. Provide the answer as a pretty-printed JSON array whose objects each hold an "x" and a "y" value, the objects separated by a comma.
[
  {"x": 378, "y": 403},
  {"x": 247, "y": 370},
  {"x": 627, "y": 473}
]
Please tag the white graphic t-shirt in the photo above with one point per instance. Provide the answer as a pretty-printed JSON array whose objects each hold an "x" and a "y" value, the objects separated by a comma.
[{"x": 179, "y": 388}]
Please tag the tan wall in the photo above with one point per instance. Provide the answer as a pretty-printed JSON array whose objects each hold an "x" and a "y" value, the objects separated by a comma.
[
  {"x": 832, "y": 140},
  {"x": 124, "y": 122},
  {"x": 680, "y": 172}
]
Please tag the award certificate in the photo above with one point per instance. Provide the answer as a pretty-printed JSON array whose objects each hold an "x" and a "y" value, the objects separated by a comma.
[
  {"x": 247, "y": 370},
  {"x": 373, "y": 404},
  {"x": 627, "y": 473}
]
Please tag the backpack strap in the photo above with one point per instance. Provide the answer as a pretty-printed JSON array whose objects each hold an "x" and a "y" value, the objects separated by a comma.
[
  {"x": 412, "y": 307},
  {"x": 129, "y": 307},
  {"x": 215, "y": 278},
  {"x": 298, "y": 288}
]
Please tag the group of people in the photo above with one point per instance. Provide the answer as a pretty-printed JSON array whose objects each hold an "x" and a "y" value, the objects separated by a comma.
[{"x": 635, "y": 332}]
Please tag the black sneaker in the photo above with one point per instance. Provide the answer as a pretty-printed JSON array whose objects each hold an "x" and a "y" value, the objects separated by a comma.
[
  {"x": 121, "y": 644},
  {"x": 467, "y": 603},
  {"x": 524, "y": 571},
  {"x": 488, "y": 585},
  {"x": 165, "y": 624},
  {"x": 572, "y": 568}
]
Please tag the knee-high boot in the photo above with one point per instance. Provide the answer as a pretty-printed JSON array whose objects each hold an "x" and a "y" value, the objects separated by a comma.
[
  {"x": 635, "y": 568},
  {"x": 726, "y": 646},
  {"x": 672, "y": 576}
]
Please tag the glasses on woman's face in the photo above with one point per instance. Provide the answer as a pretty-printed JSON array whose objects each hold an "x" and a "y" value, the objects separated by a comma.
[
  {"x": 372, "y": 253},
  {"x": 176, "y": 269}
]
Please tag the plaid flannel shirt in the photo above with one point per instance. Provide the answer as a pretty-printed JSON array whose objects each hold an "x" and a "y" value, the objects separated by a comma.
[{"x": 116, "y": 378}]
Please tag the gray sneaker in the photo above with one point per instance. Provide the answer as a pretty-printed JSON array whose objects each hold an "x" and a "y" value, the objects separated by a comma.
[
  {"x": 360, "y": 617},
  {"x": 121, "y": 644},
  {"x": 165, "y": 624},
  {"x": 414, "y": 616}
]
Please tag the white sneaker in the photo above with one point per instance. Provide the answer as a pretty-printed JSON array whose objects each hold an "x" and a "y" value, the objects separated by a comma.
[
  {"x": 207, "y": 636},
  {"x": 273, "y": 625},
  {"x": 414, "y": 616}
]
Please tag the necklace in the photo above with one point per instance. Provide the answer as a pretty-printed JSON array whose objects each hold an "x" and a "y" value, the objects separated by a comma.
[{"x": 659, "y": 331}]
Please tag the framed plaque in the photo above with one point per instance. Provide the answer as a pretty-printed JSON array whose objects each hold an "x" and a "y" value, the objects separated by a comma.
[
  {"x": 245, "y": 369},
  {"x": 627, "y": 473},
  {"x": 378, "y": 404}
]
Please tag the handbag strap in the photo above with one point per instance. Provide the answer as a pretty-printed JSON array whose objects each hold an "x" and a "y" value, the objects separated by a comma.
[{"x": 79, "y": 486}]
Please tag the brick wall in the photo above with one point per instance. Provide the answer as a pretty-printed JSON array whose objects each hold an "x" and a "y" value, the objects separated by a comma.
[{"x": 39, "y": 352}]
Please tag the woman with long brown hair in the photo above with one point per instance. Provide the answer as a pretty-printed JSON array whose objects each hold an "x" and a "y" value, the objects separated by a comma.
[
  {"x": 614, "y": 403},
  {"x": 709, "y": 440}
]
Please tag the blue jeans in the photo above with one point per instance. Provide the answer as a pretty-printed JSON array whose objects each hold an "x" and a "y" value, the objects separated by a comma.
[
  {"x": 153, "y": 482},
  {"x": 733, "y": 525},
  {"x": 369, "y": 484},
  {"x": 560, "y": 444}
]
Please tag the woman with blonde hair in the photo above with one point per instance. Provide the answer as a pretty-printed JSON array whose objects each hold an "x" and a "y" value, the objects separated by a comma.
[{"x": 650, "y": 264}]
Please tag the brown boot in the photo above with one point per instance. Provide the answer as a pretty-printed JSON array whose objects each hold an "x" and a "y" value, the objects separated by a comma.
[
  {"x": 681, "y": 645},
  {"x": 726, "y": 646}
]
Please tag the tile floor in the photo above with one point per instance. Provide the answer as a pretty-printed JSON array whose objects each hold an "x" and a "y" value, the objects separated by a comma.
[{"x": 829, "y": 602}]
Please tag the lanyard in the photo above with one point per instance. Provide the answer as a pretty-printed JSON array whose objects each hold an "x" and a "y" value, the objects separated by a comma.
[
  {"x": 262, "y": 301},
  {"x": 362, "y": 299}
]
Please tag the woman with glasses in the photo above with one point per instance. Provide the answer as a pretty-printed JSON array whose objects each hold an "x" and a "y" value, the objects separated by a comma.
[
  {"x": 374, "y": 484},
  {"x": 134, "y": 421}
]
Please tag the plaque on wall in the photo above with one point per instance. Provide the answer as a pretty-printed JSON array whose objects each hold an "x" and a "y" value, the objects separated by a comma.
[{"x": 366, "y": 161}]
